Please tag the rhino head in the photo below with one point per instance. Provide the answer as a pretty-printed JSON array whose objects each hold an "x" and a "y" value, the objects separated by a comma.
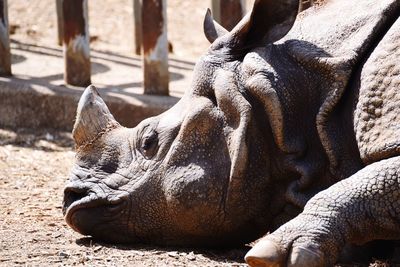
[{"x": 197, "y": 174}]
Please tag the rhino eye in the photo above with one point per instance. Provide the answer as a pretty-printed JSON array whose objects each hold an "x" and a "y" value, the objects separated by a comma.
[{"x": 149, "y": 145}]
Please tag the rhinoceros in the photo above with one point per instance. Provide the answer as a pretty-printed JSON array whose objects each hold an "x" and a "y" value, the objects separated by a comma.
[{"x": 291, "y": 126}]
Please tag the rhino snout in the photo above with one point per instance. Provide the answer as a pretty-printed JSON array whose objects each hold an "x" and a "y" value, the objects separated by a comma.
[
  {"x": 71, "y": 195},
  {"x": 84, "y": 207}
]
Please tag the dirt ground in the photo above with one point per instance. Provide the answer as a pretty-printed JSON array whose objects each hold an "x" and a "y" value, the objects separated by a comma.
[{"x": 34, "y": 164}]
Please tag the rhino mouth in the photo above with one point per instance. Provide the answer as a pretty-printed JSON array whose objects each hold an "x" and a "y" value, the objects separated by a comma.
[{"x": 78, "y": 201}]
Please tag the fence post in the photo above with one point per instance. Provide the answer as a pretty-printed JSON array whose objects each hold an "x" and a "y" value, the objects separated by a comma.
[
  {"x": 304, "y": 4},
  {"x": 59, "y": 11},
  {"x": 228, "y": 12},
  {"x": 155, "y": 47},
  {"x": 76, "y": 42},
  {"x": 5, "y": 55},
  {"x": 137, "y": 26}
]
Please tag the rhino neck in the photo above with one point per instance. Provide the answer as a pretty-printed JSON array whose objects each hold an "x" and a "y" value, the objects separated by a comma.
[{"x": 331, "y": 49}]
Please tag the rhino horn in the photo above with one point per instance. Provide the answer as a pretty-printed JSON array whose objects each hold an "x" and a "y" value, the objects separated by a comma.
[
  {"x": 269, "y": 21},
  {"x": 92, "y": 119},
  {"x": 212, "y": 30}
]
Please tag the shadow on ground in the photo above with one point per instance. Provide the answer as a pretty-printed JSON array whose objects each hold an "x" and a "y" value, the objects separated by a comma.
[
  {"x": 100, "y": 64},
  {"x": 230, "y": 255},
  {"x": 48, "y": 140}
]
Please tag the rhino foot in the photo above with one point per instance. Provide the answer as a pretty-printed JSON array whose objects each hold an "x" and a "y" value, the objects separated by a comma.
[
  {"x": 356, "y": 210},
  {"x": 287, "y": 247},
  {"x": 267, "y": 253}
]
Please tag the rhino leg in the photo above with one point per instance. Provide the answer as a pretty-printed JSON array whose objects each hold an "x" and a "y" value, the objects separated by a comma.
[{"x": 356, "y": 210}]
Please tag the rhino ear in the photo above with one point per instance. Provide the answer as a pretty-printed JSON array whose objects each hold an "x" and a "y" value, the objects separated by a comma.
[
  {"x": 212, "y": 30},
  {"x": 269, "y": 21},
  {"x": 92, "y": 119}
]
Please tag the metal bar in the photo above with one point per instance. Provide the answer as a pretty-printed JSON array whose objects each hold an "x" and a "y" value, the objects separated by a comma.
[
  {"x": 155, "y": 47},
  {"x": 76, "y": 42},
  {"x": 60, "y": 24},
  {"x": 5, "y": 55},
  {"x": 137, "y": 26},
  {"x": 228, "y": 12}
]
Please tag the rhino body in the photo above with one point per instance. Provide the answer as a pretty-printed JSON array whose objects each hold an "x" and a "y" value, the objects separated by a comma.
[{"x": 291, "y": 125}]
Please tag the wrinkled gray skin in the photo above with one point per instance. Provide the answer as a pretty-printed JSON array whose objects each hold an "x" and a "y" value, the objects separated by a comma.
[{"x": 272, "y": 118}]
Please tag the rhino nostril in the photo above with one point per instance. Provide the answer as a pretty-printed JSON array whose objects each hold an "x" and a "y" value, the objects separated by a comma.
[{"x": 72, "y": 194}]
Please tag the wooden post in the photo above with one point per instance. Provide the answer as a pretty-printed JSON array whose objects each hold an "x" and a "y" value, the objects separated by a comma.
[
  {"x": 304, "y": 4},
  {"x": 59, "y": 11},
  {"x": 137, "y": 26},
  {"x": 228, "y": 12},
  {"x": 215, "y": 10},
  {"x": 155, "y": 47},
  {"x": 5, "y": 55},
  {"x": 76, "y": 42}
]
